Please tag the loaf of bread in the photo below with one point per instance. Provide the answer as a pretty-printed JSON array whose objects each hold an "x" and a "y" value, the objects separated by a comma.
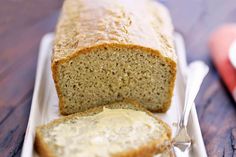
[
  {"x": 122, "y": 129},
  {"x": 109, "y": 50}
]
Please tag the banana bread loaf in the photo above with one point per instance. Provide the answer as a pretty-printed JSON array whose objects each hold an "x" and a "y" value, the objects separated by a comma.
[{"x": 109, "y": 50}]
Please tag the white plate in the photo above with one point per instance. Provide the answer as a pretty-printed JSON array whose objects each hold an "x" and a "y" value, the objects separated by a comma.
[{"x": 44, "y": 106}]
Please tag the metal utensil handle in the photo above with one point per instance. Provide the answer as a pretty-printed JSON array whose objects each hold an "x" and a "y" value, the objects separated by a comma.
[{"x": 196, "y": 72}]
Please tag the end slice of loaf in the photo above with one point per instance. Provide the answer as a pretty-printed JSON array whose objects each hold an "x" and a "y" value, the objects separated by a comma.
[
  {"x": 121, "y": 129},
  {"x": 109, "y": 50}
]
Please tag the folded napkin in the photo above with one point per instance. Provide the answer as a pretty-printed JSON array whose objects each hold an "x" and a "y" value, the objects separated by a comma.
[{"x": 219, "y": 44}]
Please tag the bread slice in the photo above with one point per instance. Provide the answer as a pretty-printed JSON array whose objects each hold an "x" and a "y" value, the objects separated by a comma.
[
  {"x": 109, "y": 50},
  {"x": 121, "y": 129}
]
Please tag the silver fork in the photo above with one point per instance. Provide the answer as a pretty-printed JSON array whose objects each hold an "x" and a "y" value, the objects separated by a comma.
[{"x": 196, "y": 72}]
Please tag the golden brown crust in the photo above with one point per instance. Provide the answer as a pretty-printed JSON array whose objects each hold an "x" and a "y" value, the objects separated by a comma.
[
  {"x": 86, "y": 23},
  {"x": 151, "y": 148},
  {"x": 56, "y": 82},
  {"x": 41, "y": 147}
]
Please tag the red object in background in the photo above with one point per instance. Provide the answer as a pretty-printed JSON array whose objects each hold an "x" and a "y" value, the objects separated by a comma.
[{"x": 219, "y": 43}]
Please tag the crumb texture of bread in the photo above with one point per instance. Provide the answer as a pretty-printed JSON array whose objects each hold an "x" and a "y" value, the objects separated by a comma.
[
  {"x": 116, "y": 130},
  {"x": 106, "y": 51}
]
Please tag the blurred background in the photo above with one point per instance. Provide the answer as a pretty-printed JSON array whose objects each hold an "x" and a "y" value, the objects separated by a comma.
[{"x": 24, "y": 22}]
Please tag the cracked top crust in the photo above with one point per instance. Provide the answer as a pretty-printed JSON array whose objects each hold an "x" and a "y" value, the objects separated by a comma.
[{"x": 89, "y": 23}]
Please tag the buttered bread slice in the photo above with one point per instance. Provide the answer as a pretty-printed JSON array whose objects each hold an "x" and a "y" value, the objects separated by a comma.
[
  {"x": 109, "y": 50},
  {"x": 122, "y": 129}
]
